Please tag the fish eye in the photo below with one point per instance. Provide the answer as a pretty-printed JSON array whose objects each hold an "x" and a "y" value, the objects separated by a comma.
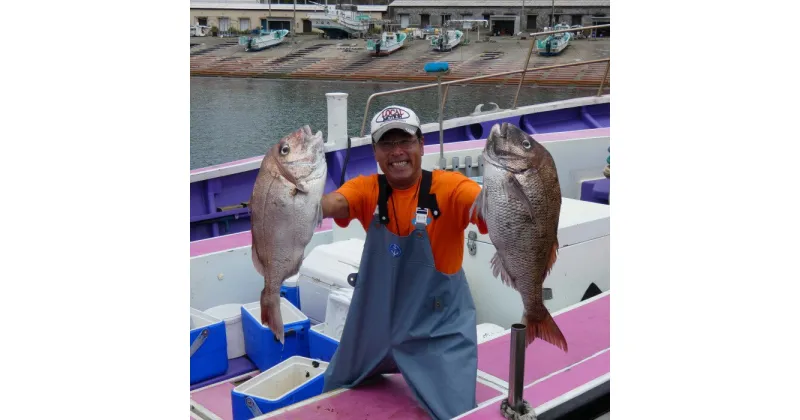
[
  {"x": 526, "y": 144},
  {"x": 285, "y": 149}
]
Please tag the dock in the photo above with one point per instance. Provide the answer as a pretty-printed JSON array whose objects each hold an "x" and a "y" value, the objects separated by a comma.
[{"x": 312, "y": 58}]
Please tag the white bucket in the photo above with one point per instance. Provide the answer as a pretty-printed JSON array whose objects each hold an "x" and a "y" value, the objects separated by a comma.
[{"x": 232, "y": 315}]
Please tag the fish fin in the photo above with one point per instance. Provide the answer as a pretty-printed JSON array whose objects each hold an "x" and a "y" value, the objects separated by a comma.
[
  {"x": 271, "y": 313},
  {"x": 513, "y": 188},
  {"x": 499, "y": 270},
  {"x": 256, "y": 263},
  {"x": 288, "y": 175},
  {"x": 545, "y": 329},
  {"x": 480, "y": 206},
  {"x": 319, "y": 216},
  {"x": 552, "y": 260}
]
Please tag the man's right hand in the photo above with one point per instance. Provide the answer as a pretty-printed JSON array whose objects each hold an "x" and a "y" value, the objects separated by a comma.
[{"x": 335, "y": 205}]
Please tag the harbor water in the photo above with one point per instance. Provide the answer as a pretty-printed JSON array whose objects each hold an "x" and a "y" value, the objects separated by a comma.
[{"x": 238, "y": 118}]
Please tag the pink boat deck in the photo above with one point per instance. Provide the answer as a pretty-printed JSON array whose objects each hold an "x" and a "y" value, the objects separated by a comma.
[
  {"x": 549, "y": 373},
  {"x": 235, "y": 240},
  {"x": 586, "y": 328}
]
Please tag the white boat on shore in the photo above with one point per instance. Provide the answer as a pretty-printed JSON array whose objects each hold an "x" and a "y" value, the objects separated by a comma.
[
  {"x": 387, "y": 43},
  {"x": 447, "y": 40},
  {"x": 343, "y": 22},
  {"x": 263, "y": 39}
]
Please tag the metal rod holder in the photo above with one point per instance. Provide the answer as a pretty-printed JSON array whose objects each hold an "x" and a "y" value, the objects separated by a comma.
[
  {"x": 516, "y": 367},
  {"x": 514, "y": 407}
]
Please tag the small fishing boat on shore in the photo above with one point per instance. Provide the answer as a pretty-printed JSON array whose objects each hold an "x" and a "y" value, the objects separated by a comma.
[
  {"x": 262, "y": 39},
  {"x": 446, "y": 40},
  {"x": 342, "y": 22},
  {"x": 556, "y": 43},
  {"x": 387, "y": 43}
]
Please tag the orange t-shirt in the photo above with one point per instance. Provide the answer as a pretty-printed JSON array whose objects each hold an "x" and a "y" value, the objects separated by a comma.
[{"x": 455, "y": 194}]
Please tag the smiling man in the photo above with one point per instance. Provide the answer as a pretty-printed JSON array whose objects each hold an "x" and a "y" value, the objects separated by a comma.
[{"x": 412, "y": 311}]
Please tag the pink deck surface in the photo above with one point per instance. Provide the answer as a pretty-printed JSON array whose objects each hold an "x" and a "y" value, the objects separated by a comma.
[
  {"x": 216, "y": 399},
  {"x": 387, "y": 399},
  {"x": 563, "y": 135},
  {"x": 227, "y": 164},
  {"x": 586, "y": 329},
  {"x": 235, "y": 240},
  {"x": 553, "y": 387}
]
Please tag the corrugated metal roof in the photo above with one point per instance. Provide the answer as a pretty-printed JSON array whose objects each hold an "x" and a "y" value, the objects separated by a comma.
[
  {"x": 499, "y": 3},
  {"x": 253, "y": 6},
  {"x": 372, "y": 8}
]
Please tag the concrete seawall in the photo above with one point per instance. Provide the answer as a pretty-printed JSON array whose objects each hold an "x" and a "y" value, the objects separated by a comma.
[{"x": 312, "y": 58}]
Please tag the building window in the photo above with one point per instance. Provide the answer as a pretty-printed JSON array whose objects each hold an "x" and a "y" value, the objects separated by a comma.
[
  {"x": 531, "y": 24},
  {"x": 202, "y": 21},
  {"x": 425, "y": 19},
  {"x": 244, "y": 24},
  {"x": 445, "y": 18},
  {"x": 223, "y": 24},
  {"x": 576, "y": 19}
]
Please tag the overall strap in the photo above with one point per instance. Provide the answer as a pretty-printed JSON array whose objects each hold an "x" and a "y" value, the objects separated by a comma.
[
  {"x": 427, "y": 200},
  {"x": 384, "y": 191}
]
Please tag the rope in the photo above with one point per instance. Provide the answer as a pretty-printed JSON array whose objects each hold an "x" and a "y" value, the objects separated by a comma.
[{"x": 510, "y": 414}]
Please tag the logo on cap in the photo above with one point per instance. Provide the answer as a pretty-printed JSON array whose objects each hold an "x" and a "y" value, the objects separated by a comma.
[{"x": 391, "y": 114}]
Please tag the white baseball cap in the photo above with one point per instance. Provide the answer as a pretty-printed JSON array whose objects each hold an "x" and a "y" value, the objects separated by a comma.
[{"x": 394, "y": 116}]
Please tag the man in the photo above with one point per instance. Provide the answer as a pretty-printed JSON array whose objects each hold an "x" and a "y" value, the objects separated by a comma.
[{"x": 412, "y": 311}]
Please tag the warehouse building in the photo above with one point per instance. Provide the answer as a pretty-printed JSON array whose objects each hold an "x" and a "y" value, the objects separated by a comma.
[
  {"x": 506, "y": 17},
  {"x": 244, "y": 15}
]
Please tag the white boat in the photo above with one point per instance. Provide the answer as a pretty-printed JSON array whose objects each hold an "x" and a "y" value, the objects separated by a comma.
[
  {"x": 263, "y": 39},
  {"x": 388, "y": 43},
  {"x": 344, "y": 22},
  {"x": 447, "y": 40},
  {"x": 555, "y": 43},
  {"x": 199, "y": 30}
]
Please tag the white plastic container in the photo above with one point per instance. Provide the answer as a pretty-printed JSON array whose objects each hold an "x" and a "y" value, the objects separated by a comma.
[
  {"x": 336, "y": 312},
  {"x": 293, "y": 380},
  {"x": 487, "y": 331},
  {"x": 232, "y": 315},
  {"x": 325, "y": 268}
]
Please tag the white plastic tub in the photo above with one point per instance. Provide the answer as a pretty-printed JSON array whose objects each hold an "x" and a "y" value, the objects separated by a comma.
[
  {"x": 232, "y": 315},
  {"x": 336, "y": 312}
]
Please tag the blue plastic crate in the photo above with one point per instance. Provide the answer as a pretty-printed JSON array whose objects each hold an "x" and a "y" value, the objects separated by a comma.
[
  {"x": 277, "y": 387},
  {"x": 320, "y": 345},
  {"x": 261, "y": 345},
  {"x": 292, "y": 294},
  {"x": 208, "y": 347}
]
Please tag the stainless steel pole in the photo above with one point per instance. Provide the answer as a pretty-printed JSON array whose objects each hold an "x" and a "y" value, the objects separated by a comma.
[{"x": 516, "y": 368}]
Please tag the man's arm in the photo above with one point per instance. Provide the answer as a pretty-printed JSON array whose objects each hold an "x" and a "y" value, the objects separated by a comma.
[
  {"x": 335, "y": 205},
  {"x": 464, "y": 195}
]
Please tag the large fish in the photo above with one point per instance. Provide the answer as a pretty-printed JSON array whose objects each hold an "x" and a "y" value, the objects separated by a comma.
[
  {"x": 521, "y": 203},
  {"x": 285, "y": 208}
]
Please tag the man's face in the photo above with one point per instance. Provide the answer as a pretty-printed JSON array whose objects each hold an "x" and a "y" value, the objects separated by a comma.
[{"x": 399, "y": 155}]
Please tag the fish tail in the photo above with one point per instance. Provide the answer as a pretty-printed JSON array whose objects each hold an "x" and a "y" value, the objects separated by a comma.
[
  {"x": 271, "y": 314},
  {"x": 545, "y": 329}
]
